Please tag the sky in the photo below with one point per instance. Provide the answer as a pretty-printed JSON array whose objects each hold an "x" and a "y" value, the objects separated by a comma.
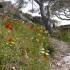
[{"x": 35, "y": 6}]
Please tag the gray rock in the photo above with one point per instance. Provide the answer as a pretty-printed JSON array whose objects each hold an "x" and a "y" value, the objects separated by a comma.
[{"x": 25, "y": 19}]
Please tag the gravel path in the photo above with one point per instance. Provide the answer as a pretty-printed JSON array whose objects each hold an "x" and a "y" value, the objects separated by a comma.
[{"x": 62, "y": 55}]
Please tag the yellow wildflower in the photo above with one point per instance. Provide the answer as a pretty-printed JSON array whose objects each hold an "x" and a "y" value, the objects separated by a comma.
[
  {"x": 41, "y": 30},
  {"x": 7, "y": 43},
  {"x": 46, "y": 31},
  {"x": 39, "y": 34},
  {"x": 13, "y": 42},
  {"x": 42, "y": 51},
  {"x": 47, "y": 53},
  {"x": 20, "y": 27},
  {"x": 23, "y": 22},
  {"x": 43, "y": 37},
  {"x": 9, "y": 31},
  {"x": 17, "y": 38},
  {"x": 37, "y": 40}
]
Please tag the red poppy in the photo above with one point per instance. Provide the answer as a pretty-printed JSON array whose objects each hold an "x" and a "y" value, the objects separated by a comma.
[
  {"x": 31, "y": 27},
  {"x": 8, "y": 24},
  {"x": 10, "y": 39},
  {"x": 10, "y": 27},
  {"x": 47, "y": 58},
  {"x": 26, "y": 51}
]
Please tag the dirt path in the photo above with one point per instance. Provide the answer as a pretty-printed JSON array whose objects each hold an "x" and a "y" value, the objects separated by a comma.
[{"x": 62, "y": 55}]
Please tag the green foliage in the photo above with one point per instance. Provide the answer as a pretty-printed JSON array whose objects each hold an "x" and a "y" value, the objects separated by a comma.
[{"x": 62, "y": 34}]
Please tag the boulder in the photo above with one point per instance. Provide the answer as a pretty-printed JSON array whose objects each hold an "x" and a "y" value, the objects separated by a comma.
[{"x": 25, "y": 19}]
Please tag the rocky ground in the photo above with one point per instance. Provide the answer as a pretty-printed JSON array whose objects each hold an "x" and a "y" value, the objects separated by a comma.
[{"x": 61, "y": 59}]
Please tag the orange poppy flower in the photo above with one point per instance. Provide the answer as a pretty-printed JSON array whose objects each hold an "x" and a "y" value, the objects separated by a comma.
[
  {"x": 10, "y": 27},
  {"x": 26, "y": 51},
  {"x": 31, "y": 27},
  {"x": 47, "y": 58},
  {"x": 8, "y": 24},
  {"x": 10, "y": 39}
]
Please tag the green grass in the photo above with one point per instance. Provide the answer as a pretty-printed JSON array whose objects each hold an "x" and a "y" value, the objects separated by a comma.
[
  {"x": 13, "y": 55},
  {"x": 61, "y": 35}
]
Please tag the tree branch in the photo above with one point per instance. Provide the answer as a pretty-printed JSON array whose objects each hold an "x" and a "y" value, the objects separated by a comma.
[
  {"x": 66, "y": 14},
  {"x": 38, "y": 2},
  {"x": 61, "y": 17}
]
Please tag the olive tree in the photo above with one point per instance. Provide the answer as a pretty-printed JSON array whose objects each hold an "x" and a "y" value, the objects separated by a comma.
[{"x": 59, "y": 8}]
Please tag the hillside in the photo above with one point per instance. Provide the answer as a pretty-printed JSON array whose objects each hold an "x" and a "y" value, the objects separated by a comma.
[{"x": 24, "y": 46}]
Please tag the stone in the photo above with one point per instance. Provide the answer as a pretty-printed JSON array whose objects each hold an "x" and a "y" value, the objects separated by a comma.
[
  {"x": 67, "y": 59},
  {"x": 25, "y": 19}
]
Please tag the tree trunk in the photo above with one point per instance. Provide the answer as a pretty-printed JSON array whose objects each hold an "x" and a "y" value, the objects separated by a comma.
[{"x": 45, "y": 19}]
